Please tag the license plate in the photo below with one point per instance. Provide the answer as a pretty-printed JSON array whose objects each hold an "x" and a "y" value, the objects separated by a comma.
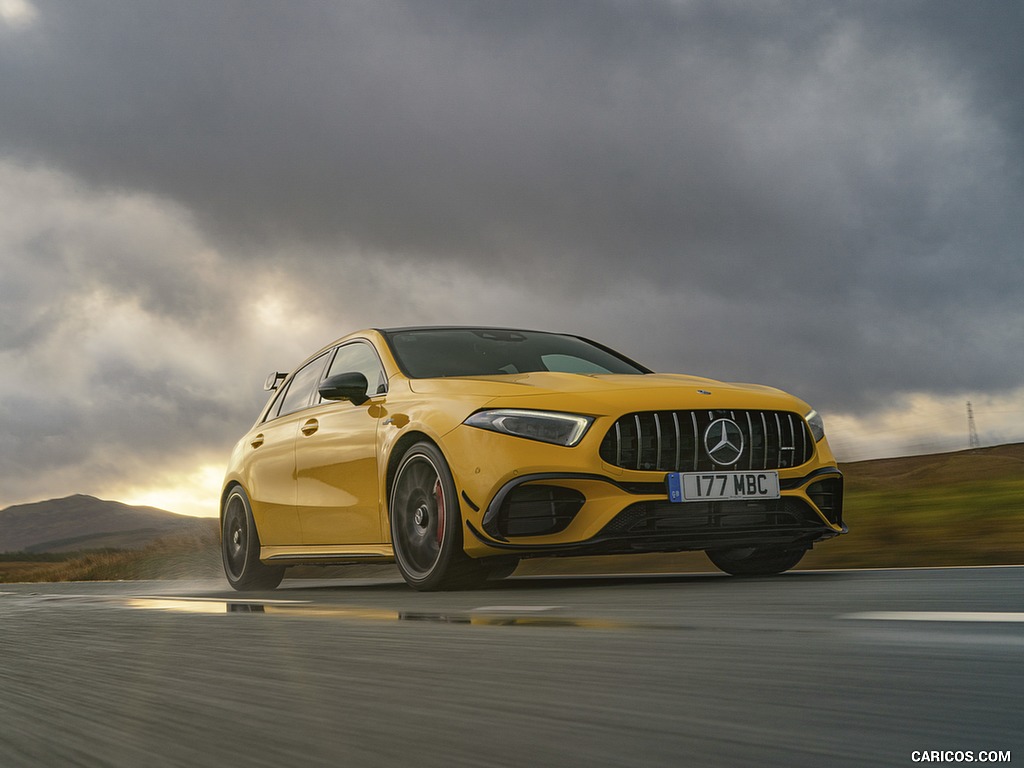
[{"x": 722, "y": 486}]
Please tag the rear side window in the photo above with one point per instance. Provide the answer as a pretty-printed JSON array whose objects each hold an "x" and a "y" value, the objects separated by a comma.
[{"x": 298, "y": 393}]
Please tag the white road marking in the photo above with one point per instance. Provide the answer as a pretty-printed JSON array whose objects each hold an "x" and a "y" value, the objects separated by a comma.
[
  {"x": 978, "y": 617},
  {"x": 879, "y": 569}
]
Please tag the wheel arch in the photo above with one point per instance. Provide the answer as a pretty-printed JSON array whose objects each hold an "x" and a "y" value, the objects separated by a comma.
[
  {"x": 398, "y": 450},
  {"x": 228, "y": 488}
]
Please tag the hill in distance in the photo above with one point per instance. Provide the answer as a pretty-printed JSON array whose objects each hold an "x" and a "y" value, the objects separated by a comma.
[
  {"x": 995, "y": 464},
  {"x": 80, "y": 522}
]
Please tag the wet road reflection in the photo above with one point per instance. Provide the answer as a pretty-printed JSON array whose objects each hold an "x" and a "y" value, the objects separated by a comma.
[{"x": 487, "y": 616}]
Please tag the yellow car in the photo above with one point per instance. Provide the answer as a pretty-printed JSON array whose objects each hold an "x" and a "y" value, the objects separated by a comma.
[{"x": 455, "y": 452}]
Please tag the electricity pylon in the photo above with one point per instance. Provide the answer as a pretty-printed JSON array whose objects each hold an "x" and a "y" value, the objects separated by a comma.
[{"x": 972, "y": 431}]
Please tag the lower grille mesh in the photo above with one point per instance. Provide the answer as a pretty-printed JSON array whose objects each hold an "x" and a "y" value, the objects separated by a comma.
[{"x": 715, "y": 524}]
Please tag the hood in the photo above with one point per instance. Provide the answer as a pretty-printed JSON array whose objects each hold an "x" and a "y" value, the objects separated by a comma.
[{"x": 605, "y": 393}]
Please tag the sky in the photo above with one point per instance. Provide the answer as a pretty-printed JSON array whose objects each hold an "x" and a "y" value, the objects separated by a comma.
[{"x": 822, "y": 197}]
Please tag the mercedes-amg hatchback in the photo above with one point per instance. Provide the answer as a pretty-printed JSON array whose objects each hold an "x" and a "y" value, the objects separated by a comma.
[{"x": 455, "y": 452}]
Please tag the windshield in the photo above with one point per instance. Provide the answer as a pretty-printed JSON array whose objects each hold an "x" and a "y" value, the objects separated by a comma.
[{"x": 427, "y": 353}]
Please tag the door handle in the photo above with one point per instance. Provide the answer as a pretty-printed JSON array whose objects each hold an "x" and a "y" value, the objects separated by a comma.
[
  {"x": 257, "y": 441},
  {"x": 310, "y": 427}
]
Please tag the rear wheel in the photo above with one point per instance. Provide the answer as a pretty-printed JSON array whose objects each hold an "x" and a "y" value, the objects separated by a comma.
[
  {"x": 240, "y": 547},
  {"x": 426, "y": 524},
  {"x": 755, "y": 561}
]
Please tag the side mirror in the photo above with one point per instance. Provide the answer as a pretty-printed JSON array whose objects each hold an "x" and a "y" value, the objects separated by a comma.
[{"x": 345, "y": 386}]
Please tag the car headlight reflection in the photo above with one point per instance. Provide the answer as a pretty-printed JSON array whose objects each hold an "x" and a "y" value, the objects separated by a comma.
[
  {"x": 816, "y": 424},
  {"x": 546, "y": 426}
]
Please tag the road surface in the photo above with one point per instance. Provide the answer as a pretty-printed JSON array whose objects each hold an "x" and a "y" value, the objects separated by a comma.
[{"x": 815, "y": 668}]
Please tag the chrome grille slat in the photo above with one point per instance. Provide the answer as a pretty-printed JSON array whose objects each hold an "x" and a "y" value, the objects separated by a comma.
[
  {"x": 657, "y": 450},
  {"x": 639, "y": 441},
  {"x": 750, "y": 436},
  {"x": 643, "y": 440},
  {"x": 696, "y": 440},
  {"x": 764, "y": 428},
  {"x": 778, "y": 431},
  {"x": 792, "y": 439},
  {"x": 675, "y": 422}
]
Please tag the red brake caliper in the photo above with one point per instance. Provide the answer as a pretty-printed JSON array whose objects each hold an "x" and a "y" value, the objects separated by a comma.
[{"x": 439, "y": 503}]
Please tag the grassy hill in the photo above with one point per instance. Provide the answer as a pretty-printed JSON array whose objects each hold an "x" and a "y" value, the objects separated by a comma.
[
  {"x": 182, "y": 556},
  {"x": 80, "y": 522},
  {"x": 81, "y": 538},
  {"x": 963, "y": 508}
]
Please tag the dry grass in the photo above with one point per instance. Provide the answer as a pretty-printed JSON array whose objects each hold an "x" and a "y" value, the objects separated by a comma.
[{"x": 181, "y": 557}]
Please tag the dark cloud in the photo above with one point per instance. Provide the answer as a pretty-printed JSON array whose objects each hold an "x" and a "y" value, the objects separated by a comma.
[
  {"x": 477, "y": 130},
  {"x": 822, "y": 197}
]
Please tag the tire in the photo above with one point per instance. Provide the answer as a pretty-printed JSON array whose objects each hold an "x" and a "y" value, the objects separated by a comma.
[
  {"x": 499, "y": 568},
  {"x": 426, "y": 524},
  {"x": 240, "y": 547},
  {"x": 755, "y": 561}
]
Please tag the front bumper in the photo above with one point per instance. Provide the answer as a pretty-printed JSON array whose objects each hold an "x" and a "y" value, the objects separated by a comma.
[{"x": 581, "y": 513}]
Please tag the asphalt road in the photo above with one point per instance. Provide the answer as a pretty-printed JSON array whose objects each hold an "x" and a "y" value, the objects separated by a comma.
[{"x": 809, "y": 668}]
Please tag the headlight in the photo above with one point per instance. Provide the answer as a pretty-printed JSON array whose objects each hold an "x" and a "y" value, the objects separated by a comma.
[
  {"x": 547, "y": 426},
  {"x": 816, "y": 424}
]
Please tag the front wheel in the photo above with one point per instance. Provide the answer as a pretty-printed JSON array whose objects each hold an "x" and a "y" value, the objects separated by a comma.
[
  {"x": 499, "y": 568},
  {"x": 240, "y": 547},
  {"x": 755, "y": 561},
  {"x": 426, "y": 523}
]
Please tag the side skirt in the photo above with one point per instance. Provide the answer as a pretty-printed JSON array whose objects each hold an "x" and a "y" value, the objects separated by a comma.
[{"x": 330, "y": 555}]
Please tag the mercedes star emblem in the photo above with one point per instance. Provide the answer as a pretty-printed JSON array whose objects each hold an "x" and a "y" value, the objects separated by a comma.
[{"x": 723, "y": 441}]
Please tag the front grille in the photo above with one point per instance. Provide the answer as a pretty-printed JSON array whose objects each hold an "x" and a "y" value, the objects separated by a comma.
[{"x": 676, "y": 441}]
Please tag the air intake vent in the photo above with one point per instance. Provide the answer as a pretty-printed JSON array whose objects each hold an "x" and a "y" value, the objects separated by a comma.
[
  {"x": 698, "y": 441},
  {"x": 536, "y": 510}
]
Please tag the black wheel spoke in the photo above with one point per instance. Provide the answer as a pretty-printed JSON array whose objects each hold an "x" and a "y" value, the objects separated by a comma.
[
  {"x": 417, "y": 514},
  {"x": 426, "y": 523},
  {"x": 235, "y": 538}
]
